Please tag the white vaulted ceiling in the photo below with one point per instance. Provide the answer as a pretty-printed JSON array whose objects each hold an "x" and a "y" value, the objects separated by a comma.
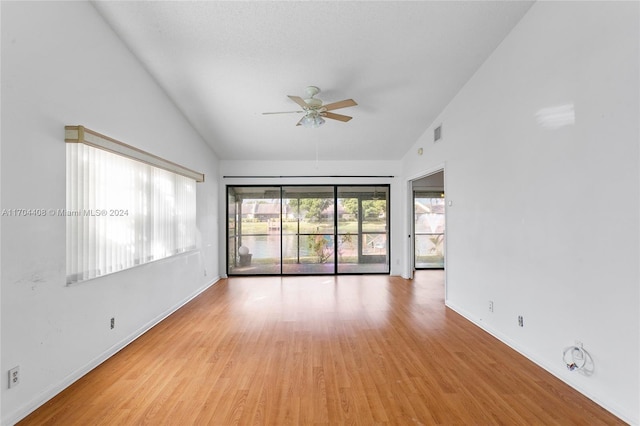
[{"x": 224, "y": 63}]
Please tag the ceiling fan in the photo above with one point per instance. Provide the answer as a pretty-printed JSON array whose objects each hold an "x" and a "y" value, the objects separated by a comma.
[{"x": 314, "y": 111}]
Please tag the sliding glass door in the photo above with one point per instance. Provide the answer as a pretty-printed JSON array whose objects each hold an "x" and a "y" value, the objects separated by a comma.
[
  {"x": 362, "y": 229},
  {"x": 307, "y": 229},
  {"x": 307, "y": 238},
  {"x": 253, "y": 223}
]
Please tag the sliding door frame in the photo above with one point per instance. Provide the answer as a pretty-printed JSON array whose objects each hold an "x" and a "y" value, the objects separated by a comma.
[{"x": 335, "y": 270}]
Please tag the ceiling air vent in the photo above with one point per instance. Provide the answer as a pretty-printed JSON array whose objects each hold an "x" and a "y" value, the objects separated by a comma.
[{"x": 437, "y": 133}]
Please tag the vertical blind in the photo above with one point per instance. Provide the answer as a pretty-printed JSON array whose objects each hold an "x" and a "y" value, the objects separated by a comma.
[{"x": 121, "y": 212}]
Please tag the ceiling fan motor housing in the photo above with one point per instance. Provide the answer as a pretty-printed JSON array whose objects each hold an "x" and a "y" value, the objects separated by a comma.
[{"x": 311, "y": 101}]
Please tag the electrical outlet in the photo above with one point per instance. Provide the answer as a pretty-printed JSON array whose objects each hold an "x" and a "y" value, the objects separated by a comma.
[
  {"x": 112, "y": 323},
  {"x": 14, "y": 377},
  {"x": 205, "y": 272},
  {"x": 490, "y": 305},
  {"x": 520, "y": 321}
]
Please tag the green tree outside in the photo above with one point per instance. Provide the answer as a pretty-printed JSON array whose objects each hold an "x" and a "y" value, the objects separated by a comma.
[{"x": 313, "y": 208}]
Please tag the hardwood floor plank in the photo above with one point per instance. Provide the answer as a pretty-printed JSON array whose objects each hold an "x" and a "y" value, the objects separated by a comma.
[{"x": 319, "y": 350}]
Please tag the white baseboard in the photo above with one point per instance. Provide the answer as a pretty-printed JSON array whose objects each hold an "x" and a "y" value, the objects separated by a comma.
[
  {"x": 26, "y": 409},
  {"x": 616, "y": 411}
]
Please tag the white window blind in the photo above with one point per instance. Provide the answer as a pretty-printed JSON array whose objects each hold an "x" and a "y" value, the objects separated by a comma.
[{"x": 122, "y": 212}]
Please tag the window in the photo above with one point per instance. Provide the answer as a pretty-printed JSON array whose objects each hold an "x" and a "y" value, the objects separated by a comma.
[{"x": 122, "y": 212}]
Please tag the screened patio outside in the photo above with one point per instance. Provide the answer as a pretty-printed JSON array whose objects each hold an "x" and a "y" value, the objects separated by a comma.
[{"x": 311, "y": 230}]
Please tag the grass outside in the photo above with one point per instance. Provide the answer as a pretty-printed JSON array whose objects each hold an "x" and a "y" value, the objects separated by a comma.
[
  {"x": 314, "y": 227},
  {"x": 435, "y": 258},
  {"x": 303, "y": 259}
]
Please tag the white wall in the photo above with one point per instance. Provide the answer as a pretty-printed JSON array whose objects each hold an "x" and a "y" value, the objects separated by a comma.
[
  {"x": 545, "y": 222},
  {"x": 62, "y": 65},
  {"x": 228, "y": 169}
]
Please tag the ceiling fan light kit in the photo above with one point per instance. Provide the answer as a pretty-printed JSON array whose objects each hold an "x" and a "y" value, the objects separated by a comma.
[
  {"x": 314, "y": 110},
  {"x": 312, "y": 120}
]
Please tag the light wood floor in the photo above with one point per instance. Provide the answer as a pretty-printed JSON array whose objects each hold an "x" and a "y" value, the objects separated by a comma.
[{"x": 319, "y": 350}]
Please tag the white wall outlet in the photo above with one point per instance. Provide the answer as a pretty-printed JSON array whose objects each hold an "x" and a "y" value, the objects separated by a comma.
[
  {"x": 112, "y": 323},
  {"x": 490, "y": 305},
  {"x": 520, "y": 320},
  {"x": 14, "y": 377}
]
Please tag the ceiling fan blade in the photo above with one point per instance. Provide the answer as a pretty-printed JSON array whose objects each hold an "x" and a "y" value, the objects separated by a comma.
[
  {"x": 300, "y": 121},
  {"x": 339, "y": 104},
  {"x": 335, "y": 116},
  {"x": 281, "y": 112},
  {"x": 299, "y": 101}
]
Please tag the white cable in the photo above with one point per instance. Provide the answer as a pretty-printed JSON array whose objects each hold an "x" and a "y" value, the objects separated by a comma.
[{"x": 578, "y": 358}]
